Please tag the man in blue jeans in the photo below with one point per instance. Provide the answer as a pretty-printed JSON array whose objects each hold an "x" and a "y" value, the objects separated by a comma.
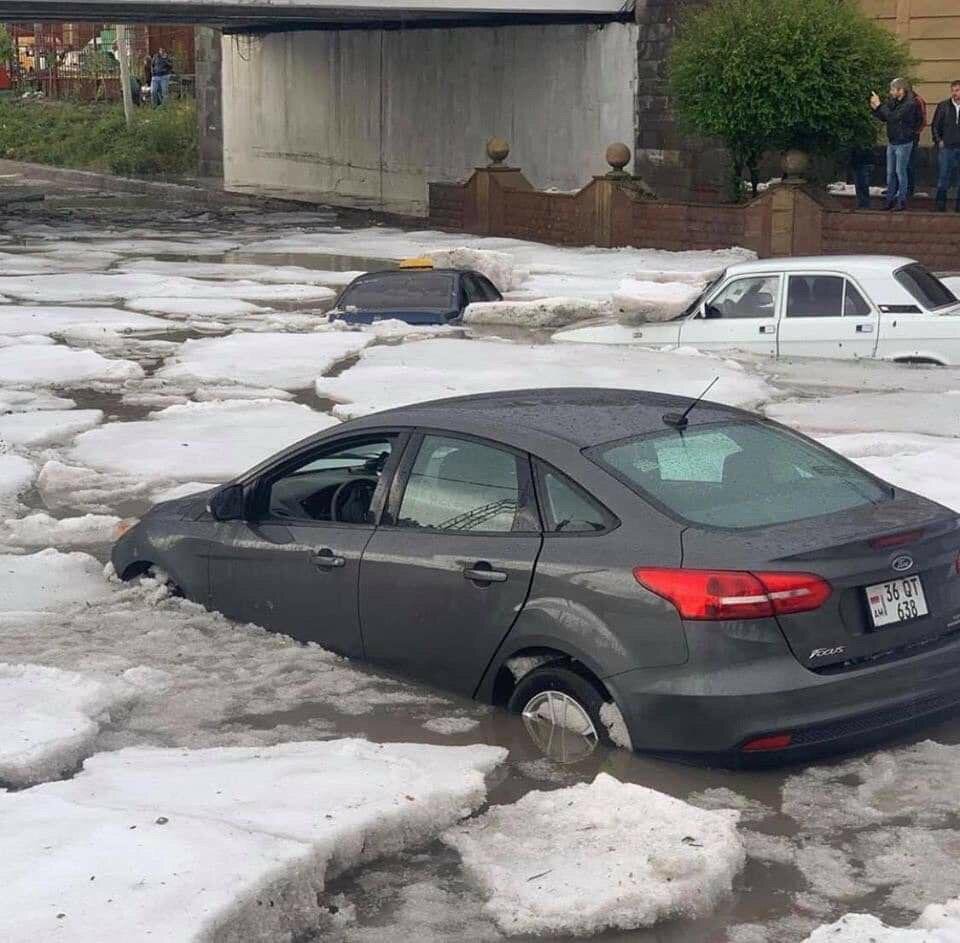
[
  {"x": 903, "y": 118},
  {"x": 946, "y": 140},
  {"x": 161, "y": 68}
]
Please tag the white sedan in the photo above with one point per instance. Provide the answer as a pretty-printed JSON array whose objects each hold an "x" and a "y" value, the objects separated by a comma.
[{"x": 825, "y": 306}]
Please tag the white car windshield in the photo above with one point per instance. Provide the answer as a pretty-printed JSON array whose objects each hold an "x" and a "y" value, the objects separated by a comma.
[{"x": 690, "y": 308}]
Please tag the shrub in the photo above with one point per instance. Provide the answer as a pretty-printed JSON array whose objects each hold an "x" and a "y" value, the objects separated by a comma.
[
  {"x": 162, "y": 141},
  {"x": 6, "y": 46},
  {"x": 767, "y": 75}
]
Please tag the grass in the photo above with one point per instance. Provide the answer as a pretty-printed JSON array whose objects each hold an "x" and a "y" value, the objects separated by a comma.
[{"x": 162, "y": 141}]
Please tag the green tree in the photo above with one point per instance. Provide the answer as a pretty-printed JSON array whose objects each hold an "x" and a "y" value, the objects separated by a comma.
[
  {"x": 6, "y": 46},
  {"x": 765, "y": 75}
]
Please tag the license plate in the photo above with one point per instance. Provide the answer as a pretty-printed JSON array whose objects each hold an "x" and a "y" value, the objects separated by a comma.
[{"x": 896, "y": 601}]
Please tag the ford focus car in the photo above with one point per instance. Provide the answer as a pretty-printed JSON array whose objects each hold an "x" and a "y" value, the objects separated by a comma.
[
  {"x": 416, "y": 293},
  {"x": 845, "y": 307},
  {"x": 680, "y": 577}
]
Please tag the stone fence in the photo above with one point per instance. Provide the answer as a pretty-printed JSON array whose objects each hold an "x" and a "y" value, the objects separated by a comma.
[{"x": 616, "y": 210}]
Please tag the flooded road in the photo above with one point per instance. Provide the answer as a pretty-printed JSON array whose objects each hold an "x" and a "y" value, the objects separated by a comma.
[{"x": 811, "y": 855}]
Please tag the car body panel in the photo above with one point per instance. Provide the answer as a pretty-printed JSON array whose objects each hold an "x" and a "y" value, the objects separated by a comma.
[{"x": 895, "y": 328}]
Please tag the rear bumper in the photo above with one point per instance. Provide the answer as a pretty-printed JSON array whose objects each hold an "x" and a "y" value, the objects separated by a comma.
[{"x": 707, "y": 713}]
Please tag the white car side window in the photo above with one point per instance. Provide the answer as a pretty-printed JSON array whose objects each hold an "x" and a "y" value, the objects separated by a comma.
[{"x": 745, "y": 298}]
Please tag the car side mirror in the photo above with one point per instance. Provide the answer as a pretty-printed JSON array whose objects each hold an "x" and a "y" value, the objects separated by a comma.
[
  {"x": 711, "y": 312},
  {"x": 227, "y": 503}
]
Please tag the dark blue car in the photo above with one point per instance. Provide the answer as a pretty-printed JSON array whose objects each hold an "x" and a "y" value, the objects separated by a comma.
[{"x": 415, "y": 295}]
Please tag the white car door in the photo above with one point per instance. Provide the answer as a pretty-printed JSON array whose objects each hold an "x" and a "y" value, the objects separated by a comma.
[
  {"x": 826, "y": 315},
  {"x": 741, "y": 314}
]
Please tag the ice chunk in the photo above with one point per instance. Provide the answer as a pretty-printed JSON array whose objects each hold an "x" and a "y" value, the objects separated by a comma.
[
  {"x": 49, "y": 720},
  {"x": 42, "y": 530},
  {"x": 921, "y": 463},
  {"x": 939, "y": 923},
  {"x": 935, "y": 414},
  {"x": 388, "y": 376},
  {"x": 197, "y": 440},
  {"x": 180, "y": 491},
  {"x": 93, "y": 287},
  {"x": 500, "y": 267},
  {"x": 637, "y": 301},
  {"x": 598, "y": 855},
  {"x": 16, "y": 475},
  {"x": 229, "y": 843},
  {"x": 196, "y": 307},
  {"x": 70, "y": 486},
  {"x": 31, "y": 365},
  {"x": 271, "y": 274},
  {"x": 451, "y": 725},
  {"x": 43, "y": 319},
  {"x": 47, "y": 427},
  {"x": 546, "y": 312},
  {"x": 20, "y": 401},
  {"x": 287, "y": 361},
  {"x": 50, "y": 580}
]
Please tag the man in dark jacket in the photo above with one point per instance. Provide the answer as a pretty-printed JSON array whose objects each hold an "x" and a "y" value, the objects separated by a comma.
[
  {"x": 903, "y": 118},
  {"x": 161, "y": 68},
  {"x": 946, "y": 140}
]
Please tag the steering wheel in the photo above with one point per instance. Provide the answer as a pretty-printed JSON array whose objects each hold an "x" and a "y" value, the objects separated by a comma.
[{"x": 345, "y": 492}]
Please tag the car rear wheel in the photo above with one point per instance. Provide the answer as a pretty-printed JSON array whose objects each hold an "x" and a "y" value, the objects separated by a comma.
[{"x": 561, "y": 711}]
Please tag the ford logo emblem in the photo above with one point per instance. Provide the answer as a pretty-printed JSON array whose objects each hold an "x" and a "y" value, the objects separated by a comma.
[{"x": 902, "y": 563}]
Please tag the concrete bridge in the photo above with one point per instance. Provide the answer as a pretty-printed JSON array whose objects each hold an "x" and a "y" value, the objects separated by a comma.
[{"x": 365, "y": 102}]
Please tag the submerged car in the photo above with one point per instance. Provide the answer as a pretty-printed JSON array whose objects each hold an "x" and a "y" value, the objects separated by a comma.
[
  {"x": 416, "y": 293},
  {"x": 844, "y": 307},
  {"x": 682, "y": 577}
]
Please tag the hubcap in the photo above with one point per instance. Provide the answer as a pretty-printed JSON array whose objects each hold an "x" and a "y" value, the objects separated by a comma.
[{"x": 560, "y": 727}]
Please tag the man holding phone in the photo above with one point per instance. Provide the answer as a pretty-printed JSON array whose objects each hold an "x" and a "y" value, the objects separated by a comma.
[{"x": 904, "y": 120}]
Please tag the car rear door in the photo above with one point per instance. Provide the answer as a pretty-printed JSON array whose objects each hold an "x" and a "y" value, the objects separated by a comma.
[
  {"x": 741, "y": 314},
  {"x": 444, "y": 577},
  {"x": 293, "y": 566},
  {"x": 826, "y": 315}
]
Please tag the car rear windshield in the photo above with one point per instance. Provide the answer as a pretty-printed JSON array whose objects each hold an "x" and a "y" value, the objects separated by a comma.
[
  {"x": 739, "y": 475},
  {"x": 417, "y": 291},
  {"x": 925, "y": 287}
]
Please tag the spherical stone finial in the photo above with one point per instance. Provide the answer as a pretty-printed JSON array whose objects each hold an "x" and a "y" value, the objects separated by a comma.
[
  {"x": 618, "y": 156},
  {"x": 497, "y": 150}
]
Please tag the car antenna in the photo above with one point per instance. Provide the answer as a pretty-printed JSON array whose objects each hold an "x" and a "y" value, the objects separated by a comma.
[{"x": 679, "y": 420}]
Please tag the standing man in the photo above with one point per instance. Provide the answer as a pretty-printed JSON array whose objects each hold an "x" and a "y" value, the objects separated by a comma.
[
  {"x": 946, "y": 141},
  {"x": 161, "y": 69},
  {"x": 901, "y": 114}
]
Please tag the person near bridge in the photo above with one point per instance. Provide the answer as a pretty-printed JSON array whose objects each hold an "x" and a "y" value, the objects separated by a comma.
[{"x": 161, "y": 68}]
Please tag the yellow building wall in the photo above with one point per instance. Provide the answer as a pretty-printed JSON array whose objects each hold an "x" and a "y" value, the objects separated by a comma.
[{"x": 932, "y": 29}]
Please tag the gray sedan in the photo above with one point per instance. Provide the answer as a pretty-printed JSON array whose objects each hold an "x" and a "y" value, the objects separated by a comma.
[{"x": 688, "y": 579}]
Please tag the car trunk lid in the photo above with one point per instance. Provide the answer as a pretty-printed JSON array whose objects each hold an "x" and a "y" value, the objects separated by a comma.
[{"x": 905, "y": 537}]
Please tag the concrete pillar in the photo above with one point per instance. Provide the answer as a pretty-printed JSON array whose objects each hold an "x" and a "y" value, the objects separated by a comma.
[
  {"x": 209, "y": 92},
  {"x": 676, "y": 166}
]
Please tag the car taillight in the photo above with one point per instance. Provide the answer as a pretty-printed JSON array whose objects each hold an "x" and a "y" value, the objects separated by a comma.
[
  {"x": 779, "y": 741},
  {"x": 714, "y": 595}
]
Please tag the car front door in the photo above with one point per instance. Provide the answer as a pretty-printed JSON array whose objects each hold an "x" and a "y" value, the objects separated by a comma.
[
  {"x": 444, "y": 577},
  {"x": 742, "y": 314},
  {"x": 826, "y": 315},
  {"x": 293, "y": 565}
]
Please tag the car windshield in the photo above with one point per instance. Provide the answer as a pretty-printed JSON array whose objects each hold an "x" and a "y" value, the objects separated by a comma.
[
  {"x": 739, "y": 475},
  {"x": 925, "y": 287},
  {"x": 413, "y": 291},
  {"x": 698, "y": 300}
]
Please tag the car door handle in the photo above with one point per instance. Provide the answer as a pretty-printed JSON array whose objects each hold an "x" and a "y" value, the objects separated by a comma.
[
  {"x": 484, "y": 573},
  {"x": 327, "y": 560},
  {"x": 768, "y": 328},
  {"x": 864, "y": 328}
]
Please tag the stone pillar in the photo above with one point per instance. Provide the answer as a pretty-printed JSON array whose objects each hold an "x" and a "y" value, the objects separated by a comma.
[
  {"x": 209, "y": 93},
  {"x": 676, "y": 166}
]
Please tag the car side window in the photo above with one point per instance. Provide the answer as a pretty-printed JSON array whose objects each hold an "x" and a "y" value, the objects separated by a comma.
[
  {"x": 566, "y": 507},
  {"x": 815, "y": 296},
  {"x": 336, "y": 484},
  {"x": 746, "y": 298},
  {"x": 485, "y": 289},
  {"x": 854, "y": 304},
  {"x": 461, "y": 485}
]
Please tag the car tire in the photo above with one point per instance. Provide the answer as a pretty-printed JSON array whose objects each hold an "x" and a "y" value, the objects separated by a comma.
[{"x": 566, "y": 683}]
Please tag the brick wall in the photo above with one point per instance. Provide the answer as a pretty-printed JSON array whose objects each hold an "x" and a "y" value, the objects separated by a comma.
[
  {"x": 685, "y": 225},
  {"x": 559, "y": 218},
  {"x": 446, "y": 205}
]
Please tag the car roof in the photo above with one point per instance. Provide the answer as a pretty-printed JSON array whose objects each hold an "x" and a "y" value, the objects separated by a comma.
[
  {"x": 874, "y": 264},
  {"x": 577, "y": 415},
  {"x": 415, "y": 271}
]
